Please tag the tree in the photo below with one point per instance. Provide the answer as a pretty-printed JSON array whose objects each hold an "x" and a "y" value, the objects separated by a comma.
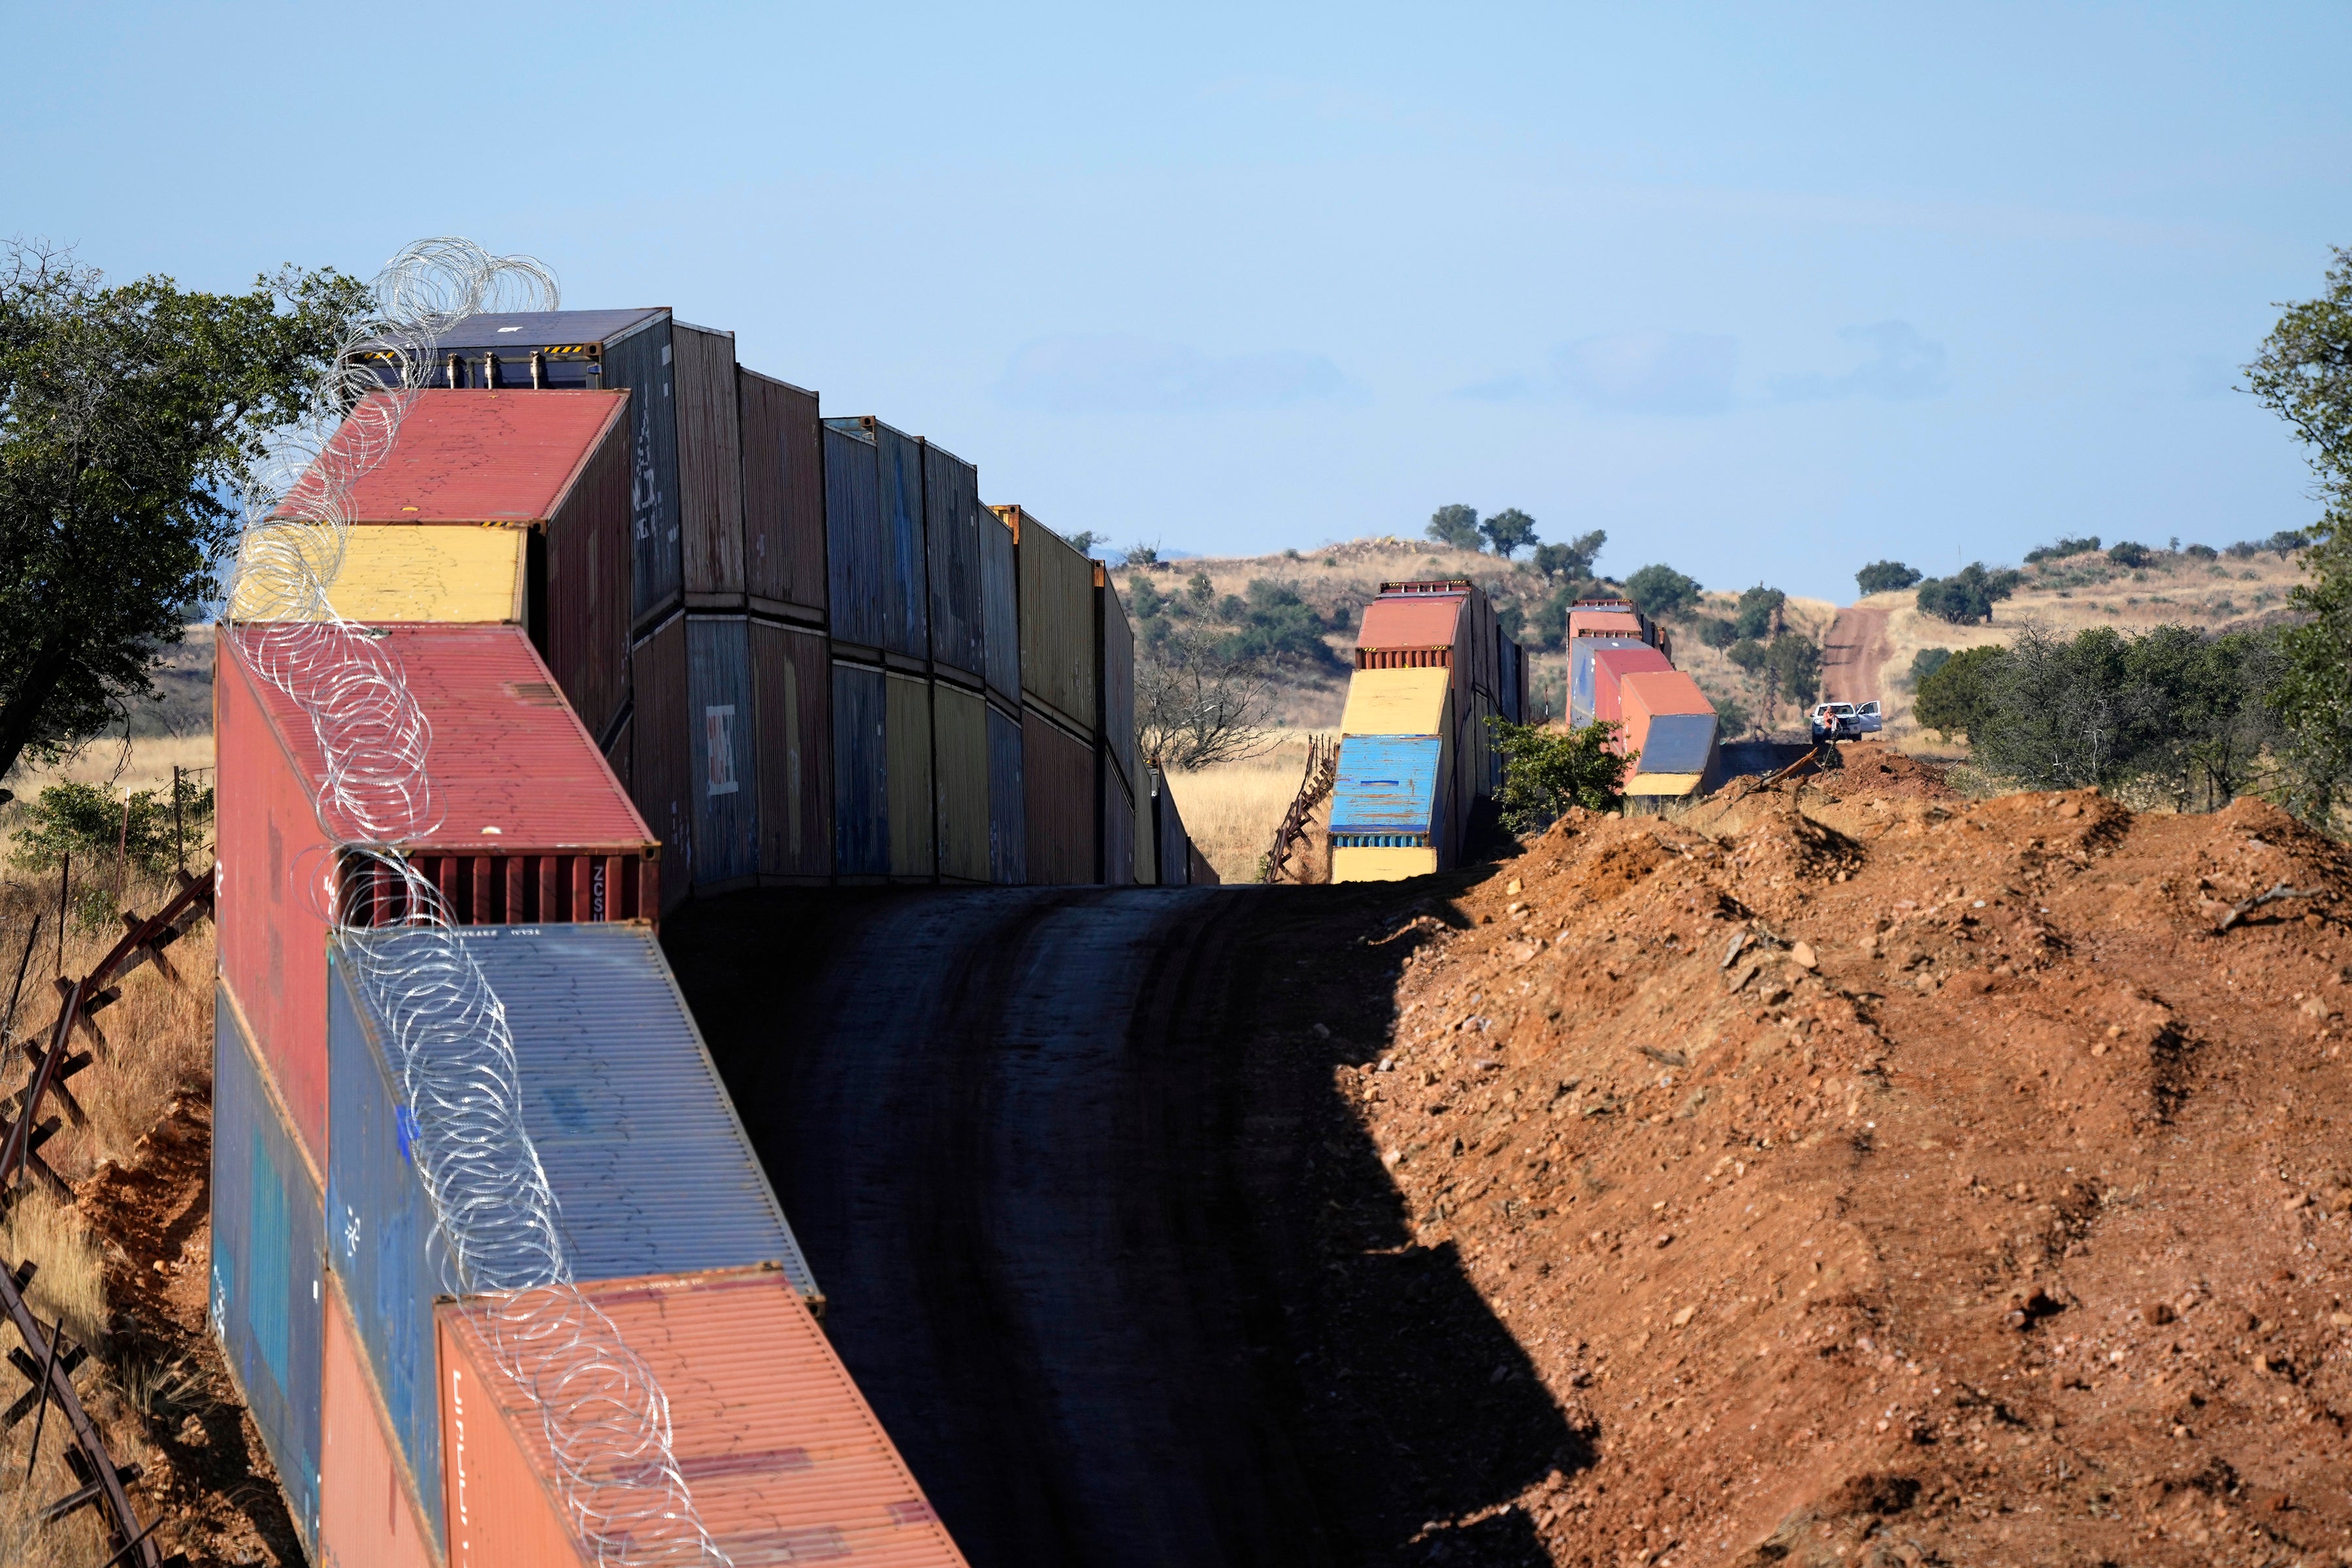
[
  {"x": 1084, "y": 543},
  {"x": 1954, "y": 696},
  {"x": 1199, "y": 593},
  {"x": 2304, "y": 374},
  {"x": 1196, "y": 705},
  {"x": 1658, "y": 591},
  {"x": 126, "y": 413},
  {"x": 1573, "y": 559},
  {"x": 1140, "y": 555},
  {"x": 1456, "y": 525},
  {"x": 1147, "y": 600},
  {"x": 1794, "y": 661},
  {"x": 2063, "y": 549},
  {"x": 1758, "y": 605},
  {"x": 1509, "y": 530},
  {"x": 1545, "y": 771},
  {"x": 1967, "y": 596},
  {"x": 2126, "y": 553},
  {"x": 1927, "y": 662},
  {"x": 1716, "y": 632},
  {"x": 1886, "y": 577},
  {"x": 1275, "y": 625},
  {"x": 1747, "y": 653}
]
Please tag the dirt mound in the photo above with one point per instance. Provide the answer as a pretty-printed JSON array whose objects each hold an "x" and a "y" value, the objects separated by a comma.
[{"x": 1896, "y": 1180}]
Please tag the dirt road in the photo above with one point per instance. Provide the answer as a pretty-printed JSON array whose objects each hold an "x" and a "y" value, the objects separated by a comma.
[
  {"x": 1857, "y": 649},
  {"x": 1102, "y": 1244}
]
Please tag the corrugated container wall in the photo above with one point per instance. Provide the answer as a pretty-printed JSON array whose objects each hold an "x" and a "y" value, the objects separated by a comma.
[
  {"x": 854, "y": 553},
  {"x": 267, "y": 1231},
  {"x": 1145, "y": 816},
  {"x": 786, "y": 1459},
  {"x": 662, "y": 758},
  {"x": 952, "y": 518},
  {"x": 1057, "y": 624},
  {"x": 611, "y": 350},
  {"x": 792, "y": 690},
  {"x": 508, "y": 757},
  {"x": 1580, "y": 653},
  {"x": 1169, "y": 838},
  {"x": 1062, "y": 800},
  {"x": 908, "y": 750},
  {"x": 861, "y": 773},
  {"x": 902, "y": 597},
  {"x": 710, "y": 466},
  {"x": 784, "y": 498},
  {"x": 371, "y": 1514},
  {"x": 1115, "y": 650},
  {"x": 1115, "y": 866},
  {"x": 959, "y": 784},
  {"x": 999, "y": 605},
  {"x": 1610, "y": 667},
  {"x": 1008, "y": 812},
  {"x": 648, "y": 1164},
  {"x": 722, "y": 725}
]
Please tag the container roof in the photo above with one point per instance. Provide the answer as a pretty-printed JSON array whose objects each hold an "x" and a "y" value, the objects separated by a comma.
[
  {"x": 506, "y": 752},
  {"x": 523, "y": 331},
  {"x": 1388, "y": 784},
  {"x": 1415, "y": 621},
  {"x": 785, "y": 1459},
  {"x": 651, "y": 1171},
  {"x": 1664, "y": 691},
  {"x": 473, "y": 456},
  {"x": 1639, "y": 658},
  {"x": 1616, "y": 623}
]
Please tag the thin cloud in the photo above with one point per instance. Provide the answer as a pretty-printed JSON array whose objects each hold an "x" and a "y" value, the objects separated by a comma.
[
  {"x": 1902, "y": 366},
  {"x": 1629, "y": 373},
  {"x": 1081, "y": 374}
]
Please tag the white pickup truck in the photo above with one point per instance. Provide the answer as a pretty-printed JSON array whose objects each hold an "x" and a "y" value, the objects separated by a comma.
[{"x": 1845, "y": 721}]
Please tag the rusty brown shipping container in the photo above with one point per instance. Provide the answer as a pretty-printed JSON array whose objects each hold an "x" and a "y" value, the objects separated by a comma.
[
  {"x": 710, "y": 466},
  {"x": 906, "y": 740},
  {"x": 786, "y": 1459},
  {"x": 959, "y": 780},
  {"x": 1057, "y": 624},
  {"x": 1115, "y": 677},
  {"x": 661, "y": 761},
  {"x": 952, "y": 518},
  {"x": 1061, "y": 802},
  {"x": 532, "y": 828},
  {"x": 792, "y": 688},
  {"x": 784, "y": 498}
]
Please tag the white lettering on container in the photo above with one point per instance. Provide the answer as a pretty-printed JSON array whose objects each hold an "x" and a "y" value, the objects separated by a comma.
[{"x": 718, "y": 747}]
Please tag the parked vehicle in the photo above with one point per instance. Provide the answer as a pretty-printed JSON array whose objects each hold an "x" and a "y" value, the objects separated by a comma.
[{"x": 1845, "y": 721}]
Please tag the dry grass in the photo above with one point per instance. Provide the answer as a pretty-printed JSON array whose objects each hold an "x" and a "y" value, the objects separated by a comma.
[
  {"x": 1232, "y": 811},
  {"x": 159, "y": 1042},
  {"x": 145, "y": 763}
]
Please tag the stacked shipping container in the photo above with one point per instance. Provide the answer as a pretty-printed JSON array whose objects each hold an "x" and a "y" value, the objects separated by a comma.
[{"x": 1417, "y": 752}]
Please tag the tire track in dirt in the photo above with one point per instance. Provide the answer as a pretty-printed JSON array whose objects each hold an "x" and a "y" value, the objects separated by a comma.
[{"x": 1856, "y": 650}]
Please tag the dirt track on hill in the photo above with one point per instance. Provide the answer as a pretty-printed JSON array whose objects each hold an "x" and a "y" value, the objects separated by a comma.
[{"x": 1853, "y": 656}]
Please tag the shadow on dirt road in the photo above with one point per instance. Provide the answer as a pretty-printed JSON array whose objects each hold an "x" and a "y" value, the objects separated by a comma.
[{"x": 1112, "y": 1260}]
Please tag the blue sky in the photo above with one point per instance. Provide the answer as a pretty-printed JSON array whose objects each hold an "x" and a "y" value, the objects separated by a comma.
[{"x": 1764, "y": 292}]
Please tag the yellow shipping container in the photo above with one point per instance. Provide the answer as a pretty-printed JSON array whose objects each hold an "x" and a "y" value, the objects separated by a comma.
[
  {"x": 1397, "y": 702},
  {"x": 1381, "y": 865},
  {"x": 959, "y": 754},
  {"x": 907, "y": 734},
  {"x": 391, "y": 573}
]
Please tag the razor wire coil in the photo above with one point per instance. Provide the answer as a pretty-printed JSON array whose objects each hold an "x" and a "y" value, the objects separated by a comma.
[{"x": 602, "y": 1412}]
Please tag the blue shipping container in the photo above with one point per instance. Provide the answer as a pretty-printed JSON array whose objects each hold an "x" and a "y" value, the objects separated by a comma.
[
  {"x": 861, "y": 772},
  {"x": 722, "y": 728},
  {"x": 1579, "y": 673},
  {"x": 853, "y": 535},
  {"x": 1387, "y": 793},
  {"x": 1000, "y": 606},
  {"x": 1678, "y": 743},
  {"x": 268, "y": 1302},
  {"x": 1008, "y": 815},
  {"x": 951, "y": 544},
  {"x": 650, "y": 1168}
]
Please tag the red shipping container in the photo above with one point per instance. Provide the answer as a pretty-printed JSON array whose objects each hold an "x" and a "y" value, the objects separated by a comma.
[
  {"x": 532, "y": 828},
  {"x": 555, "y": 462},
  {"x": 784, "y": 1456},
  {"x": 1610, "y": 665},
  {"x": 370, "y": 1514}
]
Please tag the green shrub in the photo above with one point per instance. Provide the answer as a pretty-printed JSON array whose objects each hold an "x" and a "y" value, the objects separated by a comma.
[
  {"x": 1927, "y": 662},
  {"x": 1886, "y": 577},
  {"x": 1747, "y": 653},
  {"x": 1956, "y": 696},
  {"x": 1716, "y": 632},
  {"x": 1545, "y": 771},
  {"x": 1661, "y": 591},
  {"x": 89, "y": 822},
  {"x": 1758, "y": 605}
]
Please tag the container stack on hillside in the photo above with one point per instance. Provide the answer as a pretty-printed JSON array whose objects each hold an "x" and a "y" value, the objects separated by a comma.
[
  {"x": 674, "y": 634},
  {"x": 1417, "y": 756},
  {"x": 1622, "y": 671}
]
